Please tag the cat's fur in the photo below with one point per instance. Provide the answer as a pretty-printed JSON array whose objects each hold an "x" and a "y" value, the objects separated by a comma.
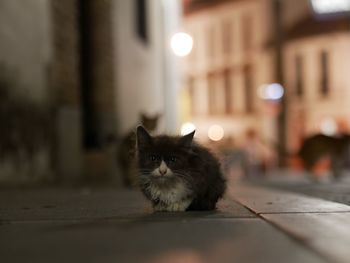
[
  {"x": 126, "y": 150},
  {"x": 177, "y": 174},
  {"x": 319, "y": 145}
]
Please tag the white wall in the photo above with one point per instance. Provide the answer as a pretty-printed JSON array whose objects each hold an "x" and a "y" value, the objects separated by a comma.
[
  {"x": 25, "y": 44},
  {"x": 139, "y": 67}
]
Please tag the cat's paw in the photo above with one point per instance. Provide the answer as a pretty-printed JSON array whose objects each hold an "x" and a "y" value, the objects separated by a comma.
[
  {"x": 160, "y": 208},
  {"x": 178, "y": 206}
]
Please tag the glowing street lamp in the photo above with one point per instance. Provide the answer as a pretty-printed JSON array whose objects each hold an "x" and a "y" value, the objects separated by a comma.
[{"x": 181, "y": 43}]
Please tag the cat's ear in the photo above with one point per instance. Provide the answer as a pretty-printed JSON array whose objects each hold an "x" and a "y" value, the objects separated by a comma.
[
  {"x": 187, "y": 139},
  {"x": 143, "y": 137}
]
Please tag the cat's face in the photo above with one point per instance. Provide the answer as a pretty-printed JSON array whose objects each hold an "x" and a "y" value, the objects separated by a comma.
[{"x": 162, "y": 158}]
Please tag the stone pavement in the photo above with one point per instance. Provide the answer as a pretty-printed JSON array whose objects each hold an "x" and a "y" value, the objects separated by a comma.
[
  {"x": 252, "y": 224},
  {"x": 332, "y": 190}
]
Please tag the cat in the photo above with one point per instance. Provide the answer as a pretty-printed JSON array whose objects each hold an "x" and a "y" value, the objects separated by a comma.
[
  {"x": 177, "y": 174},
  {"x": 320, "y": 145},
  {"x": 126, "y": 150}
]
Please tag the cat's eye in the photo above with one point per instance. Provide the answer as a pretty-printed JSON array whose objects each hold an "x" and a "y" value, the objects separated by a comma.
[
  {"x": 173, "y": 159},
  {"x": 153, "y": 157}
]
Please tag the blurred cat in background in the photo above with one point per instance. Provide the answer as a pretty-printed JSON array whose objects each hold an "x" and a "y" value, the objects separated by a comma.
[
  {"x": 317, "y": 146},
  {"x": 126, "y": 149}
]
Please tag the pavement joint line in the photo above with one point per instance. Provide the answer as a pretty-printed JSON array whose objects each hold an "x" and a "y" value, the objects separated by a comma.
[
  {"x": 292, "y": 236},
  {"x": 311, "y": 212},
  {"x": 302, "y": 241},
  {"x": 298, "y": 239}
]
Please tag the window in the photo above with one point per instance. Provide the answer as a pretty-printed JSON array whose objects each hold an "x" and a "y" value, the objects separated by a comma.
[
  {"x": 228, "y": 91},
  {"x": 141, "y": 20},
  {"x": 211, "y": 94},
  {"x": 247, "y": 34},
  {"x": 191, "y": 83},
  {"x": 248, "y": 88},
  {"x": 210, "y": 42},
  {"x": 299, "y": 76},
  {"x": 227, "y": 37},
  {"x": 324, "y": 73}
]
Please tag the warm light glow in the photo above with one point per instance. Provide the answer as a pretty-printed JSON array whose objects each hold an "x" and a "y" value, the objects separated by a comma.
[
  {"x": 272, "y": 91},
  {"x": 216, "y": 133},
  {"x": 330, "y": 6},
  {"x": 187, "y": 128},
  {"x": 178, "y": 256},
  {"x": 328, "y": 127},
  {"x": 261, "y": 91},
  {"x": 181, "y": 44}
]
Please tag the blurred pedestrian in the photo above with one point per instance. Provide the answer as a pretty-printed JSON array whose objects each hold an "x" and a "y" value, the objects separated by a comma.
[
  {"x": 231, "y": 159},
  {"x": 258, "y": 157}
]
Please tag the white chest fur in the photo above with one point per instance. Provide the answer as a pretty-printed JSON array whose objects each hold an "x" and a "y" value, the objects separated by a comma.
[{"x": 174, "y": 198}]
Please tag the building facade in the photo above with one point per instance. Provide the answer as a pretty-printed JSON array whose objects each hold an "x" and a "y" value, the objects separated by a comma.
[
  {"x": 316, "y": 60},
  {"x": 226, "y": 67},
  {"x": 234, "y": 54}
]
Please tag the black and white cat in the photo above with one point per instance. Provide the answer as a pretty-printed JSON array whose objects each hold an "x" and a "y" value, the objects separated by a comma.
[{"x": 177, "y": 174}]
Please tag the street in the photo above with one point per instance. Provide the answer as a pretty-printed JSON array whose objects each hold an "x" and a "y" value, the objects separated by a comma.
[{"x": 252, "y": 224}]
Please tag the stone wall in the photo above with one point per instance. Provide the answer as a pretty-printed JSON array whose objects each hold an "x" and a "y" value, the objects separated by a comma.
[
  {"x": 25, "y": 46},
  {"x": 25, "y": 112},
  {"x": 66, "y": 87}
]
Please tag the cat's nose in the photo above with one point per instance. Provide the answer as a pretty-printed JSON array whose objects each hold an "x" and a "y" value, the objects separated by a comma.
[{"x": 162, "y": 170}]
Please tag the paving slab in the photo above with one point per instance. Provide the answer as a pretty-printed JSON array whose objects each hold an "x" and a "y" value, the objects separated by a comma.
[
  {"x": 332, "y": 191},
  {"x": 328, "y": 233},
  {"x": 263, "y": 201},
  {"x": 321, "y": 225},
  {"x": 109, "y": 225},
  {"x": 87, "y": 204},
  {"x": 70, "y": 204},
  {"x": 195, "y": 240}
]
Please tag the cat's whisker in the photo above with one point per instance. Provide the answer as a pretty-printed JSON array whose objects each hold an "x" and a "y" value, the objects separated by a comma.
[{"x": 145, "y": 171}]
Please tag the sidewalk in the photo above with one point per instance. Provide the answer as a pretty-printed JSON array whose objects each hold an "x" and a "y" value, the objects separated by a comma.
[{"x": 107, "y": 225}]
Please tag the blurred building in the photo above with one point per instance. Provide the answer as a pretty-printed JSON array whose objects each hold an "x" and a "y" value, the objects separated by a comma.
[
  {"x": 234, "y": 55},
  {"x": 89, "y": 68},
  {"x": 317, "y": 53},
  {"x": 228, "y": 64}
]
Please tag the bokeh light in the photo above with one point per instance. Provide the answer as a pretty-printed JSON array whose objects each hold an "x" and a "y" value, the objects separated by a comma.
[
  {"x": 274, "y": 91},
  {"x": 216, "y": 132},
  {"x": 181, "y": 43},
  {"x": 329, "y": 127}
]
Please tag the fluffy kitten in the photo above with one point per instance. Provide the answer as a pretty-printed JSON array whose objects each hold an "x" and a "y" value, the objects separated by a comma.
[{"x": 177, "y": 174}]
